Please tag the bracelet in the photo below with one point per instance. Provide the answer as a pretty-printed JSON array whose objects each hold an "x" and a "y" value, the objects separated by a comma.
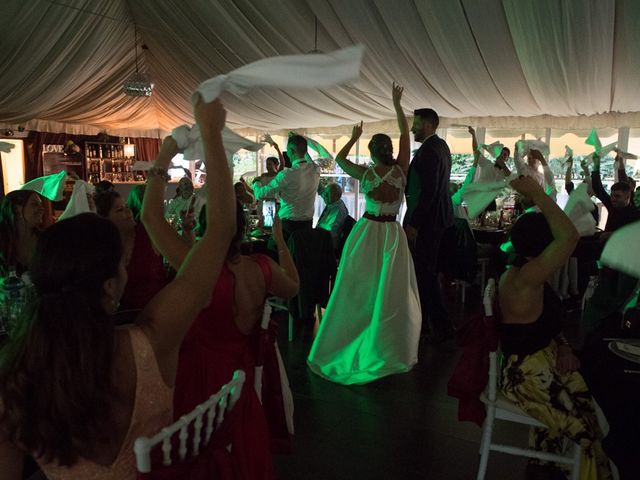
[{"x": 158, "y": 172}]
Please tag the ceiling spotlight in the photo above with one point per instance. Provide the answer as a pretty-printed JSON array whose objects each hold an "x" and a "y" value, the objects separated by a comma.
[{"x": 139, "y": 84}]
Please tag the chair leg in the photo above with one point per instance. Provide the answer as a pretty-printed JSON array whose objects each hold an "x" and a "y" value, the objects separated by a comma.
[
  {"x": 577, "y": 458},
  {"x": 485, "y": 442},
  {"x": 290, "y": 328},
  {"x": 463, "y": 286}
]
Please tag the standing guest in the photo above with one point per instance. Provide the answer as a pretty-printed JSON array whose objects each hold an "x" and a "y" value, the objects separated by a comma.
[
  {"x": 335, "y": 212},
  {"x": 621, "y": 211},
  {"x": 104, "y": 386},
  {"x": 185, "y": 201},
  {"x": 297, "y": 187},
  {"x": 104, "y": 186},
  {"x": 371, "y": 327},
  {"x": 21, "y": 221},
  {"x": 224, "y": 337},
  {"x": 489, "y": 171},
  {"x": 145, "y": 270},
  {"x": 614, "y": 288},
  {"x": 111, "y": 206},
  {"x": 429, "y": 214},
  {"x": 540, "y": 374}
]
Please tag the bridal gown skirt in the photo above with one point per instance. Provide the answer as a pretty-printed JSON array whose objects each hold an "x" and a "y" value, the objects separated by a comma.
[{"x": 371, "y": 327}]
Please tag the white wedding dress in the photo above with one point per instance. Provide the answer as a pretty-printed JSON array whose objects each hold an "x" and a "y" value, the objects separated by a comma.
[{"x": 371, "y": 327}]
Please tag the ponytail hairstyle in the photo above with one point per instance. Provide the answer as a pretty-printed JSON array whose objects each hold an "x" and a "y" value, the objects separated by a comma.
[
  {"x": 56, "y": 391},
  {"x": 380, "y": 147}
]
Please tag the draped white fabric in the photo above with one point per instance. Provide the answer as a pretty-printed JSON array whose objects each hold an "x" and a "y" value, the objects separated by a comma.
[{"x": 497, "y": 63}]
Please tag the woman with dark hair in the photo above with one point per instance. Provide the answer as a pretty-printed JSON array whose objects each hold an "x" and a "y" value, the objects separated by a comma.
[
  {"x": 225, "y": 335},
  {"x": 371, "y": 327},
  {"x": 540, "y": 374},
  {"x": 21, "y": 221},
  {"x": 75, "y": 392}
]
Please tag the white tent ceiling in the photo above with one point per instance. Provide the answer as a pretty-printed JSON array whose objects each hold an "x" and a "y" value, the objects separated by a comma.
[{"x": 509, "y": 64}]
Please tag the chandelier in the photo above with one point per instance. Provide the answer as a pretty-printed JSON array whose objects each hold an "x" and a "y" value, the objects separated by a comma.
[{"x": 139, "y": 84}]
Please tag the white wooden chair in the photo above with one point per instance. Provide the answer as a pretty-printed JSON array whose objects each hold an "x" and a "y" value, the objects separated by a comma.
[
  {"x": 214, "y": 408},
  {"x": 500, "y": 408}
]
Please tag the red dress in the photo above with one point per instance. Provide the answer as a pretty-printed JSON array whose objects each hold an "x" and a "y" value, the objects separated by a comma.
[
  {"x": 146, "y": 272},
  {"x": 212, "y": 350}
]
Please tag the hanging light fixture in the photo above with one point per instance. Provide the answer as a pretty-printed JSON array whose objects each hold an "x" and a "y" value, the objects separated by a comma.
[
  {"x": 315, "y": 41},
  {"x": 139, "y": 84}
]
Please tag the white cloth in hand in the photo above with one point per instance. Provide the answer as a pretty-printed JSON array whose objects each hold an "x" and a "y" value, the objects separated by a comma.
[{"x": 621, "y": 252}]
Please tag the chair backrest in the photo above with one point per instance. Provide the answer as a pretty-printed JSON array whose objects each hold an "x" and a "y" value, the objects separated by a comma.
[
  {"x": 488, "y": 301},
  {"x": 214, "y": 408},
  {"x": 262, "y": 343}
]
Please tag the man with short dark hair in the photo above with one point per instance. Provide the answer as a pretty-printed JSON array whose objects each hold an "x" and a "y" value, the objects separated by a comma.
[
  {"x": 620, "y": 209},
  {"x": 297, "y": 187},
  {"x": 429, "y": 214}
]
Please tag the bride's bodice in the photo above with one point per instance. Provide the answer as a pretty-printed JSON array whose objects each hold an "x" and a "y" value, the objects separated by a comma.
[{"x": 384, "y": 194}]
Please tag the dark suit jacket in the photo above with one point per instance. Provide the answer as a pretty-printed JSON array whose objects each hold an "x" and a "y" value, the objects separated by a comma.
[{"x": 428, "y": 200}]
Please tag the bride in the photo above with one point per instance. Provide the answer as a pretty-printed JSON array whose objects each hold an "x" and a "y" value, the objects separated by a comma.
[{"x": 371, "y": 327}]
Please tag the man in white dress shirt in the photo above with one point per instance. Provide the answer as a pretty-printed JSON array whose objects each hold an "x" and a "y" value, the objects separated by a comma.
[{"x": 297, "y": 187}]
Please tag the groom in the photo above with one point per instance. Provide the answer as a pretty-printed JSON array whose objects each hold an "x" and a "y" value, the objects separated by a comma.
[{"x": 429, "y": 214}]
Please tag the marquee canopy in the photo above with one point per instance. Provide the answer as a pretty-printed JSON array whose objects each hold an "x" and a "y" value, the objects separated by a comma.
[{"x": 498, "y": 63}]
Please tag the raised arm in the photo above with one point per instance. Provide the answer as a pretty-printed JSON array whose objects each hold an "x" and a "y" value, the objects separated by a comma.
[
  {"x": 568, "y": 176},
  {"x": 404, "y": 152},
  {"x": 596, "y": 183},
  {"x": 267, "y": 138},
  {"x": 565, "y": 236},
  {"x": 164, "y": 237},
  {"x": 168, "y": 316},
  {"x": 622, "y": 171},
  {"x": 352, "y": 169},
  {"x": 474, "y": 146},
  {"x": 549, "y": 179},
  {"x": 285, "y": 282}
]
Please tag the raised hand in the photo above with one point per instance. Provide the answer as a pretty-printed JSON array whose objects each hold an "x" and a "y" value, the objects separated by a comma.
[
  {"x": 267, "y": 139},
  {"x": 168, "y": 150},
  {"x": 276, "y": 231},
  {"x": 357, "y": 131},
  {"x": 396, "y": 93},
  {"x": 210, "y": 116},
  {"x": 471, "y": 130},
  {"x": 526, "y": 186}
]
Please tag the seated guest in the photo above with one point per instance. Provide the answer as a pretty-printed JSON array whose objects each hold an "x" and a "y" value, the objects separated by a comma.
[
  {"x": 540, "y": 372},
  {"x": 21, "y": 221},
  {"x": 297, "y": 187},
  {"x": 335, "y": 212},
  {"x": 105, "y": 386},
  {"x": 225, "y": 335}
]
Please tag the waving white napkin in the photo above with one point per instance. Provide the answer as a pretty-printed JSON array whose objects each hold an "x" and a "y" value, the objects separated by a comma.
[
  {"x": 494, "y": 149},
  {"x": 621, "y": 252},
  {"x": 78, "y": 203},
  {"x": 189, "y": 142},
  {"x": 308, "y": 71},
  {"x": 579, "y": 208},
  {"x": 479, "y": 195},
  {"x": 49, "y": 186},
  {"x": 525, "y": 146}
]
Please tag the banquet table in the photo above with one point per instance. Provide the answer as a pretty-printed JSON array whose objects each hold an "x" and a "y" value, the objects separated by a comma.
[{"x": 493, "y": 236}]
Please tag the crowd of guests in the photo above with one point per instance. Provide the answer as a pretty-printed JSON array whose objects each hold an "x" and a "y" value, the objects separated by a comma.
[{"x": 142, "y": 310}]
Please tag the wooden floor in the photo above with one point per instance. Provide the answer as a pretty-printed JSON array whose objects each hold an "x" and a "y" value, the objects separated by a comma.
[{"x": 400, "y": 427}]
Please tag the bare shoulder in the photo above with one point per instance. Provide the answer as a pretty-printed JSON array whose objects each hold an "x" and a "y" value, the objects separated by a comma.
[{"x": 519, "y": 302}]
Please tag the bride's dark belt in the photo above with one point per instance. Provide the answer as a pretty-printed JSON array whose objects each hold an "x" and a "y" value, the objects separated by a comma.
[{"x": 379, "y": 218}]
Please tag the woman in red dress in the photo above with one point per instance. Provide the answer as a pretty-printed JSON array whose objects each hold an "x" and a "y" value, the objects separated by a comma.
[{"x": 224, "y": 338}]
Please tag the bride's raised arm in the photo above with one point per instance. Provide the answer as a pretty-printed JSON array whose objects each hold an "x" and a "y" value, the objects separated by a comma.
[
  {"x": 352, "y": 169},
  {"x": 404, "y": 152}
]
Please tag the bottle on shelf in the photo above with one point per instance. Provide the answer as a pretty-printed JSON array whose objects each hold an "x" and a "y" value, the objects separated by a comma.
[{"x": 13, "y": 294}]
